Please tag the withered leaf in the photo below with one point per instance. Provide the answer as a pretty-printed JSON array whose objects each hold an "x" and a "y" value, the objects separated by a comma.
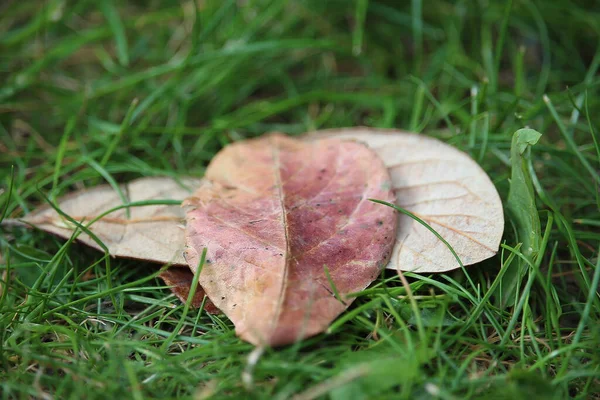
[
  {"x": 444, "y": 187},
  {"x": 274, "y": 215},
  {"x": 153, "y": 233},
  {"x": 180, "y": 280}
]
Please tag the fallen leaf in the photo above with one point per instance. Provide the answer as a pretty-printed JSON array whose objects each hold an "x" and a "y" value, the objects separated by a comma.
[
  {"x": 289, "y": 233},
  {"x": 180, "y": 281},
  {"x": 153, "y": 233},
  {"x": 444, "y": 187}
]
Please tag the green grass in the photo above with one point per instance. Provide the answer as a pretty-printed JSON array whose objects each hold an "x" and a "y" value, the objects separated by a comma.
[{"x": 107, "y": 91}]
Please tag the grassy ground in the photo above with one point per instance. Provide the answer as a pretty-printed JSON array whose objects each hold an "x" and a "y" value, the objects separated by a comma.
[{"x": 92, "y": 91}]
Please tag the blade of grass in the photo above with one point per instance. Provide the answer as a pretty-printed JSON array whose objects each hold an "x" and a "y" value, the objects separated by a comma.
[
  {"x": 360, "y": 15},
  {"x": 188, "y": 302},
  {"x": 118, "y": 30}
]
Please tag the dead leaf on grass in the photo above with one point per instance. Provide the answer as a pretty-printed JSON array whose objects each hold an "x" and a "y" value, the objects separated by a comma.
[
  {"x": 153, "y": 233},
  {"x": 289, "y": 233}
]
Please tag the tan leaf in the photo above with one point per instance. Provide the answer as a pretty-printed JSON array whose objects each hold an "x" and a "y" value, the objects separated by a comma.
[
  {"x": 444, "y": 187},
  {"x": 153, "y": 233},
  {"x": 273, "y": 214}
]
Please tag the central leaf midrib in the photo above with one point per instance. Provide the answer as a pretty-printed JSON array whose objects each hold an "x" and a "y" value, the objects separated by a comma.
[{"x": 281, "y": 196}]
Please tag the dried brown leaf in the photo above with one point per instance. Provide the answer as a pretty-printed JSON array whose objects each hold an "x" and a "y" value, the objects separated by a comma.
[
  {"x": 153, "y": 233},
  {"x": 180, "y": 280},
  {"x": 444, "y": 187},
  {"x": 274, "y": 214}
]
